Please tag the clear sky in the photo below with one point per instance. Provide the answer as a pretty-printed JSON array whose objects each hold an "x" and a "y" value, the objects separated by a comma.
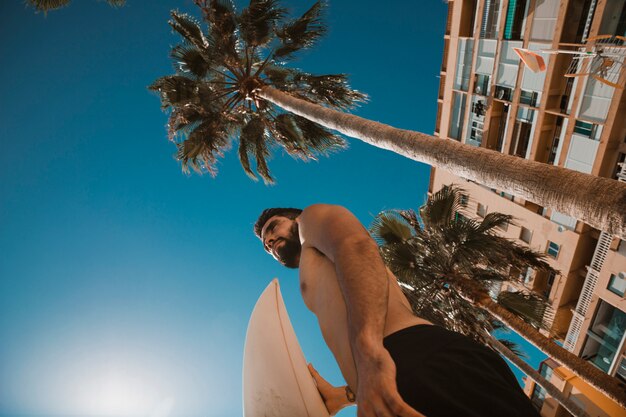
[{"x": 126, "y": 286}]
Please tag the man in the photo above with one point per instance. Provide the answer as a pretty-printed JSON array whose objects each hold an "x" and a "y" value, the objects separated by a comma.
[{"x": 396, "y": 363}]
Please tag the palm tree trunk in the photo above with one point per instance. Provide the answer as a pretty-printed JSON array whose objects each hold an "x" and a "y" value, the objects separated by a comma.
[
  {"x": 566, "y": 402},
  {"x": 600, "y": 202},
  {"x": 603, "y": 382}
]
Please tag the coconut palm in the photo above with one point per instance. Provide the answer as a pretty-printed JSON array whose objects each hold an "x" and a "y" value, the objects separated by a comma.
[
  {"x": 231, "y": 81},
  {"x": 575, "y": 409},
  {"x": 443, "y": 257},
  {"x": 47, "y": 5},
  {"x": 447, "y": 308}
]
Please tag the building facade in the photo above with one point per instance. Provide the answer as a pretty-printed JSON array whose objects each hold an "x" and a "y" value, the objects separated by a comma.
[{"x": 487, "y": 98}]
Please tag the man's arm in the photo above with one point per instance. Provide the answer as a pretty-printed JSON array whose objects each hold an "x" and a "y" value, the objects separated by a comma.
[
  {"x": 362, "y": 277},
  {"x": 361, "y": 273}
]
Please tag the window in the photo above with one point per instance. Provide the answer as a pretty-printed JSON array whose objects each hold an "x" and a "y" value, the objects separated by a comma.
[
  {"x": 584, "y": 128},
  {"x": 539, "y": 394},
  {"x": 508, "y": 196},
  {"x": 604, "y": 336},
  {"x": 621, "y": 370},
  {"x": 481, "y": 84},
  {"x": 551, "y": 278},
  {"x": 553, "y": 249},
  {"x": 464, "y": 199},
  {"x": 526, "y": 235},
  {"x": 503, "y": 93},
  {"x": 481, "y": 210},
  {"x": 491, "y": 16},
  {"x": 621, "y": 160},
  {"x": 527, "y": 275},
  {"x": 529, "y": 98},
  {"x": 617, "y": 284},
  {"x": 515, "y": 17},
  {"x": 459, "y": 217},
  {"x": 504, "y": 226}
]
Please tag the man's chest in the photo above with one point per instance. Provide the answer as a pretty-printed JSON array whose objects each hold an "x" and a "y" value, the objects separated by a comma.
[{"x": 318, "y": 280}]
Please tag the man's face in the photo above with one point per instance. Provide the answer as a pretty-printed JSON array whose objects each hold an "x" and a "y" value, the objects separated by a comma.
[{"x": 281, "y": 240}]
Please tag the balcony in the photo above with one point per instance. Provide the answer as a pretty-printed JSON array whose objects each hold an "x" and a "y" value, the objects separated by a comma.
[
  {"x": 604, "y": 336},
  {"x": 515, "y": 17},
  {"x": 503, "y": 93}
]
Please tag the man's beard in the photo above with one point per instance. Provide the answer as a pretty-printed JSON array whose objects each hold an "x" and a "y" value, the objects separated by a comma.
[{"x": 288, "y": 253}]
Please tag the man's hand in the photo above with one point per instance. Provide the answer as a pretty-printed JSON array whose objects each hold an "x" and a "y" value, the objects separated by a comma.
[
  {"x": 335, "y": 398},
  {"x": 377, "y": 393}
]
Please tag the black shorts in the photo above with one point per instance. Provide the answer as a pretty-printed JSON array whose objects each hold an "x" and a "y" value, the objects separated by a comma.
[{"x": 445, "y": 374}]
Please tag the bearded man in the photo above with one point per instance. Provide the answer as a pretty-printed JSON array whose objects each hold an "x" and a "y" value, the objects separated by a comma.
[{"x": 395, "y": 363}]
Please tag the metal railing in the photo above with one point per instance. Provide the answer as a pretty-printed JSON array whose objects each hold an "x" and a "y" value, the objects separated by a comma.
[{"x": 593, "y": 273}]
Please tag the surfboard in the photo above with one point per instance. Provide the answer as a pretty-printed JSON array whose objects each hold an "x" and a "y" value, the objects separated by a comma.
[{"x": 276, "y": 380}]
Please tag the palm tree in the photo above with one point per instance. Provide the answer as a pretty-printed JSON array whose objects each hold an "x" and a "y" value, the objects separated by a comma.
[
  {"x": 231, "y": 81},
  {"x": 47, "y": 5},
  {"x": 575, "y": 409},
  {"x": 443, "y": 257}
]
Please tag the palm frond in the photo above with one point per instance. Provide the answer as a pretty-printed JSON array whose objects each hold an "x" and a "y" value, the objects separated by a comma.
[
  {"x": 251, "y": 134},
  {"x": 189, "y": 59},
  {"x": 183, "y": 120},
  {"x": 514, "y": 347},
  {"x": 332, "y": 90},
  {"x": 221, "y": 16},
  {"x": 441, "y": 207},
  {"x": 189, "y": 29},
  {"x": 257, "y": 21},
  {"x": 530, "y": 307},
  {"x": 203, "y": 146},
  {"x": 289, "y": 136},
  {"x": 390, "y": 227},
  {"x": 47, "y": 5},
  {"x": 494, "y": 220},
  {"x": 302, "y": 33},
  {"x": 116, "y": 3},
  {"x": 261, "y": 155},
  {"x": 318, "y": 139}
]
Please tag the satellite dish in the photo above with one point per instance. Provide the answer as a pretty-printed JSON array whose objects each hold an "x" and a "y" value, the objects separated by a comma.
[
  {"x": 560, "y": 228},
  {"x": 621, "y": 275}
]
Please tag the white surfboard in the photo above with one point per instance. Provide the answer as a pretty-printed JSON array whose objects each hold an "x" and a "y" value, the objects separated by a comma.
[{"x": 276, "y": 380}]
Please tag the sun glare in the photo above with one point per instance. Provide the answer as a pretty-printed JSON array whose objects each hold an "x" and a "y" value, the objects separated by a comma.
[{"x": 119, "y": 394}]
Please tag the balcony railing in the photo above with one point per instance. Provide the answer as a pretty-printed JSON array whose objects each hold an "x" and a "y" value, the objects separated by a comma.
[{"x": 597, "y": 261}]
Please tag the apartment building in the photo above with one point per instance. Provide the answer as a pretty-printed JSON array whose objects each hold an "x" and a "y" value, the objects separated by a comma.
[{"x": 487, "y": 98}]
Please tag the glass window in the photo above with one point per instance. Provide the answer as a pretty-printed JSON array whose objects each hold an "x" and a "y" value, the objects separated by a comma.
[
  {"x": 604, "y": 336},
  {"x": 549, "y": 283},
  {"x": 526, "y": 235},
  {"x": 464, "y": 200},
  {"x": 621, "y": 370},
  {"x": 584, "y": 128},
  {"x": 491, "y": 17},
  {"x": 553, "y": 249},
  {"x": 528, "y": 97},
  {"x": 481, "y": 210},
  {"x": 481, "y": 84},
  {"x": 527, "y": 275},
  {"x": 539, "y": 394},
  {"x": 457, "y": 114},
  {"x": 617, "y": 284}
]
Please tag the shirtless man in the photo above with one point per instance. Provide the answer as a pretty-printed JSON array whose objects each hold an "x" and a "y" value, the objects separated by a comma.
[{"x": 370, "y": 328}]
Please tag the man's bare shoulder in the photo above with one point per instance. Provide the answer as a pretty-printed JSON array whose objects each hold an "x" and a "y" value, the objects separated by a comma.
[{"x": 327, "y": 227}]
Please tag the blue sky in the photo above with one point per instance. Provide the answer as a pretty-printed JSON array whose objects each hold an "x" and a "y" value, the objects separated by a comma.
[{"x": 125, "y": 285}]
